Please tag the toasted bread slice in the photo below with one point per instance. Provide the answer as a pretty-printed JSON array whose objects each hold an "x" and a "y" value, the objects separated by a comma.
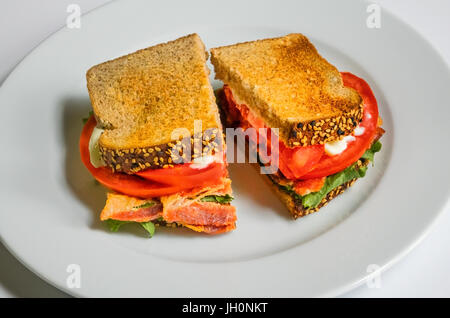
[
  {"x": 142, "y": 97},
  {"x": 291, "y": 87}
]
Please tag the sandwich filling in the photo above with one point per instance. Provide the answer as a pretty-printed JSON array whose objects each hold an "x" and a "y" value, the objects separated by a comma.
[
  {"x": 195, "y": 195},
  {"x": 309, "y": 174}
]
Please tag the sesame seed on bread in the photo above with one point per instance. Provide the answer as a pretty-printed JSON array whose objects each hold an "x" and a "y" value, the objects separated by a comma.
[
  {"x": 291, "y": 87},
  {"x": 142, "y": 97}
]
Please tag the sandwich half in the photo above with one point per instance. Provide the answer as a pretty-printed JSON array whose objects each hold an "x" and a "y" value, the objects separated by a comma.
[
  {"x": 327, "y": 122},
  {"x": 155, "y": 140}
]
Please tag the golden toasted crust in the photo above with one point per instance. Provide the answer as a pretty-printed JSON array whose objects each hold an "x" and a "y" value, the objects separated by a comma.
[
  {"x": 142, "y": 97},
  {"x": 288, "y": 84},
  {"x": 133, "y": 160}
]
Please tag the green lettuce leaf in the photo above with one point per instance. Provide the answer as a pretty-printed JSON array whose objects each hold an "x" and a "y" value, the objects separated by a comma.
[
  {"x": 312, "y": 200},
  {"x": 149, "y": 227},
  {"x": 145, "y": 205},
  {"x": 222, "y": 199},
  {"x": 370, "y": 153},
  {"x": 114, "y": 225}
]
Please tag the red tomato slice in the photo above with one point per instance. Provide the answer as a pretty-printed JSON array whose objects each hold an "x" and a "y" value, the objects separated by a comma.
[
  {"x": 285, "y": 170},
  {"x": 120, "y": 182},
  {"x": 250, "y": 117},
  {"x": 241, "y": 112},
  {"x": 355, "y": 149},
  {"x": 296, "y": 162},
  {"x": 293, "y": 162},
  {"x": 189, "y": 177}
]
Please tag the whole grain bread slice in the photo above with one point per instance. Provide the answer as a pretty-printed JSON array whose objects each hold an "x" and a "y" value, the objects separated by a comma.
[
  {"x": 295, "y": 206},
  {"x": 142, "y": 97},
  {"x": 291, "y": 87}
]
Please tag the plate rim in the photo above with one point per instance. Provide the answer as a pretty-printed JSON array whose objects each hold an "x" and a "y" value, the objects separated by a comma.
[{"x": 334, "y": 292}]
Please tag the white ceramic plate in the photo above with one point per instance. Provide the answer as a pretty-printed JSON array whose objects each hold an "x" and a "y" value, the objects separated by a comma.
[{"x": 50, "y": 204}]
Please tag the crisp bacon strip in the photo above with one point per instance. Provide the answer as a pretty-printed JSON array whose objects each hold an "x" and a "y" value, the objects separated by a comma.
[
  {"x": 185, "y": 208},
  {"x": 211, "y": 229},
  {"x": 222, "y": 188},
  {"x": 378, "y": 134},
  {"x": 202, "y": 213}
]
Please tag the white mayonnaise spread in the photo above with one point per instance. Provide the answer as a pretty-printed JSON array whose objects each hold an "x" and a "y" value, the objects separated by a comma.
[
  {"x": 358, "y": 131},
  {"x": 202, "y": 162}
]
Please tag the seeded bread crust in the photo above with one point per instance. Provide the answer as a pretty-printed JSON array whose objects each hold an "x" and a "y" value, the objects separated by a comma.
[
  {"x": 142, "y": 97},
  {"x": 295, "y": 207},
  {"x": 163, "y": 156},
  {"x": 291, "y": 87}
]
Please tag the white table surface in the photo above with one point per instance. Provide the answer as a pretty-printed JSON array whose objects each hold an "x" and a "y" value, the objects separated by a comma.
[{"x": 423, "y": 273}]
